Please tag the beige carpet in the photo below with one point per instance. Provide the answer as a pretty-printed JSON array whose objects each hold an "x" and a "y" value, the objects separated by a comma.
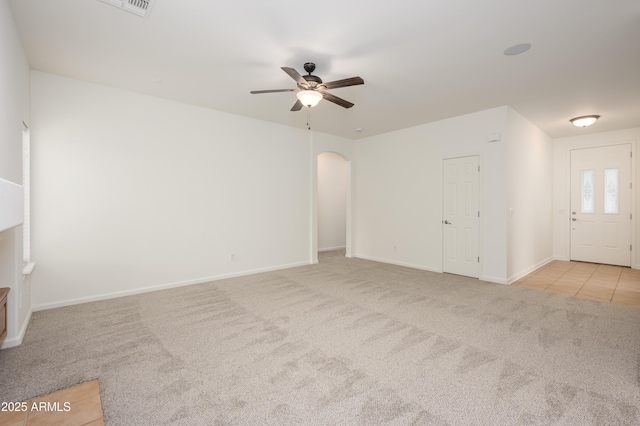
[{"x": 346, "y": 341}]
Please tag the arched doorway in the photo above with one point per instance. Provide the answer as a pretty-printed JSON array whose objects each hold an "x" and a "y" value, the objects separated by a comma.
[
  {"x": 336, "y": 161},
  {"x": 332, "y": 202}
]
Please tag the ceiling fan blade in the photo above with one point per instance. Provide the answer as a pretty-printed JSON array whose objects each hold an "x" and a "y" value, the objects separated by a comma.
[
  {"x": 297, "y": 106},
  {"x": 296, "y": 76},
  {"x": 353, "y": 81},
  {"x": 257, "y": 92},
  {"x": 336, "y": 100}
]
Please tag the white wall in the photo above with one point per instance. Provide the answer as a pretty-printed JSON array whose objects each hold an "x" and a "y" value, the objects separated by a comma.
[
  {"x": 12, "y": 202},
  {"x": 398, "y": 187},
  {"x": 332, "y": 201},
  {"x": 530, "y": 180},
  {"x": 132, "y": 192},
  {"x": 14, "y": 109},
  {"x": 561, "y": 185}
]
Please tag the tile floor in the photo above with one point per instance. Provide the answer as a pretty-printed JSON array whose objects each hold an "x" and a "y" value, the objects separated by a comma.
[
  {"x": 604, "y": 283},
  {"x": 75, "y": 406}
]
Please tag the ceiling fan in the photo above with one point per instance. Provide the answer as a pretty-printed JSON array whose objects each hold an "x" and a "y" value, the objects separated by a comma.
[{"x": 312, "y": 90}]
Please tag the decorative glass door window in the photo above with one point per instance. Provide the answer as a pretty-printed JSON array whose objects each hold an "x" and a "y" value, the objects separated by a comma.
[
  {"x": 611, "y": 191},
  {"x": 587, "y": 205}
]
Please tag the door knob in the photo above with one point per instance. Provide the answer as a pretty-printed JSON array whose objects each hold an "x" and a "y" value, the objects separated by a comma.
[
  {"x": 573, "y": 219},
  {"x": 446, "y": 222}
]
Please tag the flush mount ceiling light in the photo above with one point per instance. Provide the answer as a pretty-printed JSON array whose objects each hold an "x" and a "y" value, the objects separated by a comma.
[
  {"x": 517, "y": 49},
  {"x": 309, "y": 98},
  {"x": 585, "y": 120}
]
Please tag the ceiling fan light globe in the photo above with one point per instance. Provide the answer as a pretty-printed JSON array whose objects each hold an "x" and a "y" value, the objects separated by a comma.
[{"x": 309, "y": 98}]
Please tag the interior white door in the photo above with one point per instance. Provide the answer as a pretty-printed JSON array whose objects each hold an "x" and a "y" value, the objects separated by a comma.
[
  {"x": 460, "y": 216},
  {"x": 601, "y": 205}
]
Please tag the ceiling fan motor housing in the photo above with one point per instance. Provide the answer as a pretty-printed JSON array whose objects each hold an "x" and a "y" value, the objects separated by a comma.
[
  {"x": 312, "y": 78},
  {"x": 310, "y": 67}
]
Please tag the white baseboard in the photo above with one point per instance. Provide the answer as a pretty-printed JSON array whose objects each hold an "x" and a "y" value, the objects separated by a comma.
[
  {"x": 148, "y": 289},
  {"x": 494, "y": 280},
  {"x": 428, "y": 268},
  {"x": 633, "y": 265},
  {"x": 393, "y": 262},
  {"x": 529, "y": 270},
  {"x": 17, "y": 340},
  {"x": 331, "y": 248}
]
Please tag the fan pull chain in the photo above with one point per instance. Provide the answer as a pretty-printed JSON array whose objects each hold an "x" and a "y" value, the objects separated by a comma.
[{"x": 308, "y": 118}]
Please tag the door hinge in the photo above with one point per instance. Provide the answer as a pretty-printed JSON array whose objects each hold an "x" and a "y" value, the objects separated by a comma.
[
  {"x": 478, "y": 259},
  {"x": 631, "y": 154},
  {"x": 478, "y": 168},
  {"x": 631, "y": 216},
  {"x": 630, "y": 247},
  {"x": 631, "y": 185},
  {"x": 478, "y": 213}
]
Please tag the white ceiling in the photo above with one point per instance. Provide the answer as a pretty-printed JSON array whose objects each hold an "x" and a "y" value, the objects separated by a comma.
[{"x": 421, "y": 60}]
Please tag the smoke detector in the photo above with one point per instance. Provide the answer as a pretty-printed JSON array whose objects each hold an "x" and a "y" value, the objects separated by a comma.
[{"x": 139, "y": 7}]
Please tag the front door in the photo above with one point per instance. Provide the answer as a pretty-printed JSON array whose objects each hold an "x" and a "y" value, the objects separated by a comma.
[
  {"x": 601, "y": 205},
  {"x": 460, "y": 216}
]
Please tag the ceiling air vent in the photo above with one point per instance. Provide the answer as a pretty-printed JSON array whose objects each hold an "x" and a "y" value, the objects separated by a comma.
[{"x": 139, "y": 7}]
